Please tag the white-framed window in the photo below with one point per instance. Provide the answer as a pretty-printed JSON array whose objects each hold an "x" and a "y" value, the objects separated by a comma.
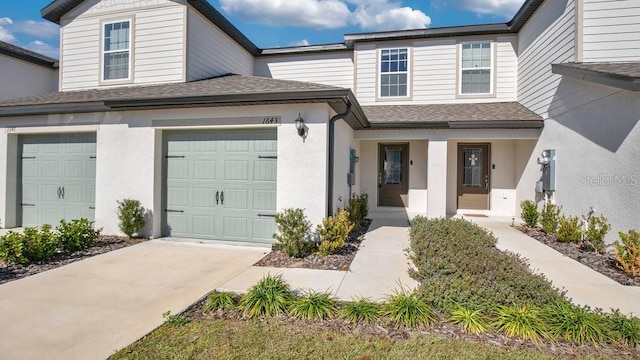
[
  {"x": 116, "y": 50},
  {"x": 394, "y": 73},
  {"x": 476, "y": 68}
]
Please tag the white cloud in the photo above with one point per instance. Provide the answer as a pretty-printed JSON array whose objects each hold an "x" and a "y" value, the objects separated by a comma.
[
  {"x": 43, "y": 48},
  {"x": 303, "y": 42},
  {"x": 329, "y": 14},
  {"x": 506, "y": 8},
  {"x": 42, "y": 29},
  {"x": 6, "y": 34},
  {"x": 320, "y": 14}
]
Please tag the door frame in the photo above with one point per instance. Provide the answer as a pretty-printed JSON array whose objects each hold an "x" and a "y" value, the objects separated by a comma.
[
  {"x": 404, "y": 170},
  {"x": 460, "y": 173}
]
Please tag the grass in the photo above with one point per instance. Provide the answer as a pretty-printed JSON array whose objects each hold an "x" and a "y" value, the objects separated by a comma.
[
  {"x": 522, "y": 321},
  {"x": 269, "y": 297},
  {"x": 313, "y": 306},
  {"x": 360, "y": 310},
  {"x": 405, "y": 308},
  {"x": 471, "y": 321},
  {"x": 231, "y": 339},
  {"x": 219, "y": 301}
]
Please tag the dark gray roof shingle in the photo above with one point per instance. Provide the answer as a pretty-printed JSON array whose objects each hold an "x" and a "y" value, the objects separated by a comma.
[
  {"x": 495, "y": 114},
  {"x": 27, "y": 55},
  {"x": 624, "y": 75}
]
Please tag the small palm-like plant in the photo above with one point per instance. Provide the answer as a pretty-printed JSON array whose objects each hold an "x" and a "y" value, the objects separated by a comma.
[
  {"x": 625, "y": 328},
  {"x": 271, "y": 296},
  {"x": 471, "y": 321},
  {"x": 574, "y": 323},
  {"x": 219, "y": 301},
  {"x": 404, "y": 308},
  {"x": 361, "y": 310},
  {"x": 313, "y": 306},
  {"x": 520, "y": 320}
]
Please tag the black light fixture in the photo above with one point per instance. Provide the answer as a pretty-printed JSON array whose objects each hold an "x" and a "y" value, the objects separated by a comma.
[{"x": 300, "y": 125}]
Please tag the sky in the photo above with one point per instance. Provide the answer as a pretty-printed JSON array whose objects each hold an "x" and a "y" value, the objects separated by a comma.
[{"x": 277, "y": 23}]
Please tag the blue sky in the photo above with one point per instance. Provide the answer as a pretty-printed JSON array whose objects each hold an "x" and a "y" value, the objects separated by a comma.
[{"x": 272, "y": 23}]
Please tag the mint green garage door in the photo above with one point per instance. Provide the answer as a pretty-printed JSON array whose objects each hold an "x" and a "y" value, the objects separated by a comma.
[
  {"x": 57, "y": 174},
  {"x": 220, "y": 184}
]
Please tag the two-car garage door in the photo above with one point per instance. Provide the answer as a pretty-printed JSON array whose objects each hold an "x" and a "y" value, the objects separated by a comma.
[{"x": 220, "y": 184}]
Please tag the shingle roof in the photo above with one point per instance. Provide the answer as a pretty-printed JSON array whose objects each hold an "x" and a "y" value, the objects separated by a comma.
[
  {"x": 27, "y": 55},
  {"x": 492, "y": 115},
  {"x": 624, "y": 75}
]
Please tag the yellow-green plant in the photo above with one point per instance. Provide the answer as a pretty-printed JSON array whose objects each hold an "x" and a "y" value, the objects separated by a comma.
[
  {"x": 627, "y": 252},
  {"x": 574, "y": 323},
  {"x": 530, "y": 213},
  {"x": 405, "y": 308},
  {"x": 358, "y": 208},
  {"x": 292, "y": 233},
  {"x": 523, "y": 321},
  {"x": 334, "y": 232},
  {"x": 569, "y": 229},
  {"x": 271, "y": 296},
  {"x": 471, "y": 321},
  {"x": 597, "y": 228},
  {"x": 549, "y": 218},
  {"x": 219, "y": 301},
  {"x": 131, "y": 217},
  {"x": 313, "y": 306},
  {"x": 360, "y": 310}
]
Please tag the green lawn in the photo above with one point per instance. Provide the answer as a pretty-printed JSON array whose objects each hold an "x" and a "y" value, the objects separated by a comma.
[{"x": 228, "y": 339}]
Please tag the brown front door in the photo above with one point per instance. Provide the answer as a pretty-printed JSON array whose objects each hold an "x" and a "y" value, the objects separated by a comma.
[
  {"x": 393, "y": 175},
  {"x": 473, "y": 176}
]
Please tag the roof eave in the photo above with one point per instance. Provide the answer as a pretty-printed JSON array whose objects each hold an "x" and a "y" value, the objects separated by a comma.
[
  {"x": 619, "y": 81},
  {"x": 473, "y": 124}
]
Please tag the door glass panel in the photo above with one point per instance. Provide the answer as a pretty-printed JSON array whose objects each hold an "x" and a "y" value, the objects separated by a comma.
[
  {"x": 393, "y": 166},
  {"x": 473, "y": 161}
]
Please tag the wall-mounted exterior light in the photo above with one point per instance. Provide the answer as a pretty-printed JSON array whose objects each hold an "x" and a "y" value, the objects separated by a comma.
[{"x": 300, "y": 126}]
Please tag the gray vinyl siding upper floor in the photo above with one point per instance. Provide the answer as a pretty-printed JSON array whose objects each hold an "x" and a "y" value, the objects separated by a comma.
[
  {"x": 22, "y": 78},
  {"x": 611, "y": 30},
  {"x": 170, "y": 42}
]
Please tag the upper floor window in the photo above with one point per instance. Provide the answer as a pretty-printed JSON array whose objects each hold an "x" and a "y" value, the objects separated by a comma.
[
  {"x": 116, "y": 58},
  {"x": 394, "y": 72},
  {"x": 476, "y": 67}
]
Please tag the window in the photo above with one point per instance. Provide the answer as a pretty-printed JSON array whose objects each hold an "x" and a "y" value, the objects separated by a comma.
[
  {"x": 475, "y": 68},
  {"x": 394, "y": 65},
  {"x": 116, "y": 59}
]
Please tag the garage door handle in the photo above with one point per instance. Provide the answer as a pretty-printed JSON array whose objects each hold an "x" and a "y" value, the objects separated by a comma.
[
  {"x": 217, "y": 197},
  {"x": 59, "y": 192},
  {"x": 222, "y": 198},
  {"x": 63, "y": 193},
  {"x": 173, "y": 211}
]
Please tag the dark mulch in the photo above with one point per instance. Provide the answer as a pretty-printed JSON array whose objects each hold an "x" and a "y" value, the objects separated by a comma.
[
  {"x": 104, "y": 244},
  {"x": 602, "y": 263},
  {"x": 444, "y": 329},
  {"x": 340, "y": 261}
]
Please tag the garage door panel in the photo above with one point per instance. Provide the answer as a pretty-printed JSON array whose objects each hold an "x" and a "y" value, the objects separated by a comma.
[
  {"x": 73, "y": 194},
  {"x": 264, "y": 200},
  {"x": 235, "y": 228},
  {"x": 263, "y": 229},
  {"x": 204, "y": 225},
  {"x": 204, "y": 198},
  {"x": 48, "y": 168},
  {"x": 204, "y": 169},
  {"x": 29, "y": 168},
  {"x": 49, "y": 193},
  {"x": 236, "y": 170},
  {"x": 177, "y": 169},
  {"x": 73, "y": 169},
  {"x": 49, "y": 216},
  {"x": 74, "y": 148},
  {"x": 177, "y": 196},
  {"x": 90, "y": 169},
  {"x": 178, "y": 224},
  {"x": 75, "y": 214},
  {"x": 236, "y": 199},
  {"x": 237, "y": 145},
  {"x": 29, "y": 193},
  {"x": 264, "y": 170},
  {"x": 90, "y": 195}
]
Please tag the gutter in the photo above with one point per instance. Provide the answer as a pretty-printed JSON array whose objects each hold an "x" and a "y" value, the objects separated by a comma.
[{"x": 330, "y": 171}]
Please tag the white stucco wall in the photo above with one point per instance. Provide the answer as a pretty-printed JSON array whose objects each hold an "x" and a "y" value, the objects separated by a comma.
[
  {"x": 343, "y": 143},
  {"x": 129, "y": 154},
  {"x": 21, "y": 78}
]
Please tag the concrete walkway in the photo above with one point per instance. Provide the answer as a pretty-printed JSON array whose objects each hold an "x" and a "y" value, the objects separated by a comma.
[
  {"x": 379, "y": 267},
  {"x": 584, "y": 285},
  {"x": 89, "y": 309}
]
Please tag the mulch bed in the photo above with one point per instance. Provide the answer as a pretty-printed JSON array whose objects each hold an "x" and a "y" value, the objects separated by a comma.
[
  {"x": 340, "y": 261},
  {"x": 602, "y": 263},
  {"x": 104, "y": 244}
]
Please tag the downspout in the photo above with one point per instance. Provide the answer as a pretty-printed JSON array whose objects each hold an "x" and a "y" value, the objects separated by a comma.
[{"x": 332, "y": 140}]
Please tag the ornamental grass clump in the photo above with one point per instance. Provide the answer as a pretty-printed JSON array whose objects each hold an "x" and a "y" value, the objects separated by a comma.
[
  {"x": 472, "y": 321},
  {"x": 530, "y": 213},
  {"x": 523, "y": 321},
  {"x": 624, "y": 329},
  {"x": 360, "y": 310},
  {"x": 271, "y": 296},
  {"x": 219, "y": 301},
  {"x": 574, "y": 323},
  {"x": 627, "y": 252},
  {"x": 407, "y": 309},
  {"x": 313, "y": 306}
]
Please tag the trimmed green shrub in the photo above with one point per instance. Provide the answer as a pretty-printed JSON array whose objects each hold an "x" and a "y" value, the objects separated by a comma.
[
  {"x": 131, "y": 217},
  {"x": 597, "y": 229},
  {"x": 358, "y": 208},
  {"x": 271, "y": 296},
  {"x": 404, "y": 308},
  {"x": 12, "y": 246},
  {"x": 522, "y": 321},
  {"x": 549, "y": 218},
  {"x": 334, "y": 232},
  {"x": 40, "y": 244},
  {"x": 574, "y": 323},
  {"x": 627, "y": 252},
  {"x": 313, "y": 306},
  {"x": 569, "y": 229},
  {"x": 530, "y": 213},
  {"x": 292, "y": 233},
  {"x": 78, "y": 234},
  {"x": 471, "y": 321},
  {"x": 360, "y": 310},
  {"x": 457, "y": 263},
  {"x": 219, "y": 301}
]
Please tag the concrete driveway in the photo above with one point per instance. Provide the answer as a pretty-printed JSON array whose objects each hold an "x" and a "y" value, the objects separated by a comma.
[{"x": 89, "y": 309}]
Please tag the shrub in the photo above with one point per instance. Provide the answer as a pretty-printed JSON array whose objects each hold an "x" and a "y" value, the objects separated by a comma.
[
  {"x": 522, "y": 321},
  {"x": 530, "y": 213},
  {"x": 12, "y": 246},
  {"x": 313, "y": 306},
  {"x": 574, "y": 323},
  {"x": 334, "y": 232},
  {"x": 358, "y": 208},
  {"x": 407, "y": 309},
  {"x": 549, "y": 217},
  {"x": 624, "y": 329},
  {"x": 361, "y": 310},
  {"x": 219, "y": 301},
  {"x": 77, "y": 235},
  {"x": 292, "y": 233},
  {"x": 175, "y": 320},
  {"x": 569, "y": 229},
  {"x": 271, "y": 296},
  {"x": 457, "y": 263},
  {"x": 597, "y": 229},
  {"x": 40, "y": 244},
  {"x": 131, "y": 217},
  {"x": 627, "y": 252},
  {"x": 471, "y": 321}
]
